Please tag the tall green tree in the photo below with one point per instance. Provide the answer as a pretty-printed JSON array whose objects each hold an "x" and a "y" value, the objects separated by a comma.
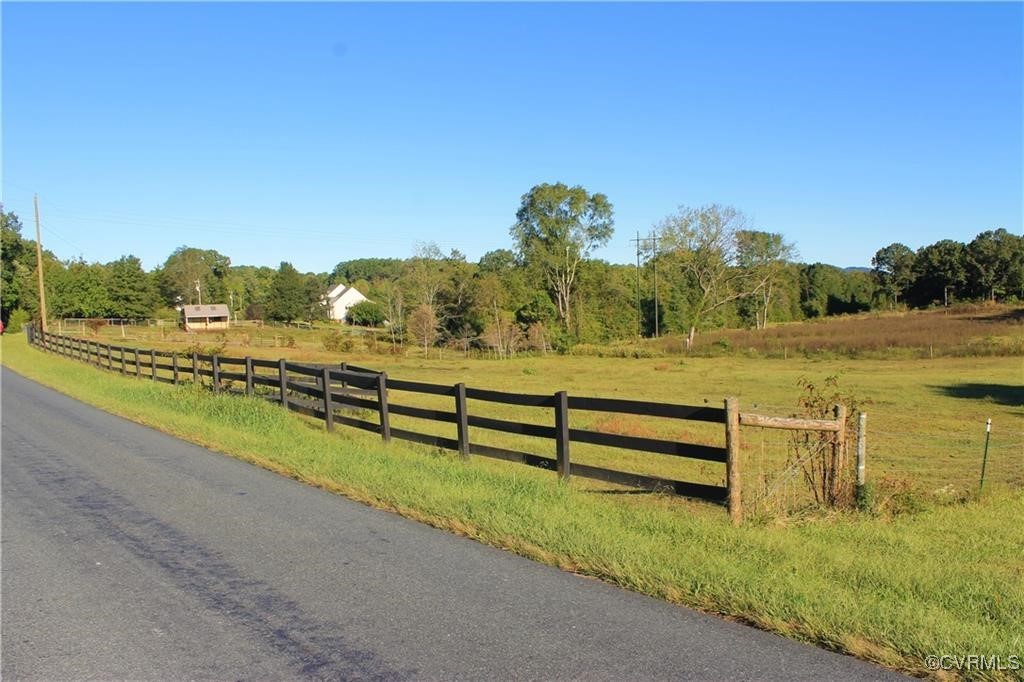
[
  {"x": 764, "y": 255},
  {"x": 705, "y": 254},
  {"x": 130, "y": 289},
  {"x": 12, "y": 250},
  {"x": 893, "y": 268},
  {"x": 995, "y": 262},
  {"x": 939, "y": 269},
  {"x": 190, "y": 272},
  {"x": 289, "y": 298},
  {"x": 556, "y": 229},
  {"x": 78, "y": 290}
]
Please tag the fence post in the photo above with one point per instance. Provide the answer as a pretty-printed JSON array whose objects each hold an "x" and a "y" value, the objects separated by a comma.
[
  {"x": 195, "y": 368},
  {"x": 124, "y": 369},
  {"x": 562, "y": 435},
  {"x": 462, "y": 419},
  {"x": 110, "y": 357},
  {"x": 984, "y": 458},
  {"x": 152, "y": 364},
  {"x": 174, "y": 369},
  {"x": 248, "y": 375},
  {"x": 138, "y": 364},
  {"x": 862, "y": 448},
  {"x": 283, "y": 376},
  {"x": 382, "y": 403},
  {"x": 732, "y": 460},
  {"x": 216, "y": 373},
  {"x": 839, "y": 447},
  {"x": 325, "y": 384}
]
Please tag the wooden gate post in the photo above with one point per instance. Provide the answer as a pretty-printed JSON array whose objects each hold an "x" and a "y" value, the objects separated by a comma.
[
  {"x": 216, "y": 373},
  {"x": 462, "y": 420},
  {"x": 282, "y": 373},
  {"x": 382, "y": 404},
  {"x": 248, "y": 375},
  {"x": 325, "y": 384},
  {"x": 839, "y": 448},
  {"x": 562, "y": 435},
  {"x": 732, "y": 460}
]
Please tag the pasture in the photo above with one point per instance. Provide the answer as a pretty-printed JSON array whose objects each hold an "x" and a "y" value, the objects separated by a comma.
[{"x": 927, "y": 380}]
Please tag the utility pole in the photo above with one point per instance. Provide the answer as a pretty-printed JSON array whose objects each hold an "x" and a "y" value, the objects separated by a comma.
[
  {"x": 199, "y": 291},
  {"x": 638, "y": 318},
  {"x": 654, "y": 240},
  {"x": 39, "y": 267}
]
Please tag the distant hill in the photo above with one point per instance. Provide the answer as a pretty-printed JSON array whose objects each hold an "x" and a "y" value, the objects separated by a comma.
[{"x": 857, "y": 269}]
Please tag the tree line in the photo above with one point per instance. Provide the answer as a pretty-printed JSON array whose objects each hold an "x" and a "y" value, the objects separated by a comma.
[{"x": 704, "y": 267}]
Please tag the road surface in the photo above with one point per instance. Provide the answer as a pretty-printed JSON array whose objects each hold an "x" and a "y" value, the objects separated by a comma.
[{"x": 129, "y": 554}]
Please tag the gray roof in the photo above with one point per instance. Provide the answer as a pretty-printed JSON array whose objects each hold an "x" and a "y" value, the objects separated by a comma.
[{"x": 214, "y": 310}]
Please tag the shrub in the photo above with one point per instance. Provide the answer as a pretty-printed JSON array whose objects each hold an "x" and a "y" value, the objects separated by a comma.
[
  {"x": 95, "y": 325},
  {"x": 17, "y": 320},
  {"x": 336, "y": 342},
  {"x": 366, "y": 314}
]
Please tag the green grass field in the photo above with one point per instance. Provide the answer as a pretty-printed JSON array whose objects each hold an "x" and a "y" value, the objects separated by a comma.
[
  {"x": 926, "y": 415},
  {"x": 946, "y": 579}
]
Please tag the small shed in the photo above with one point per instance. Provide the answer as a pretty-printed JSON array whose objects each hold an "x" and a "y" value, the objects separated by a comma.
[{"x": 197, "y": 318}]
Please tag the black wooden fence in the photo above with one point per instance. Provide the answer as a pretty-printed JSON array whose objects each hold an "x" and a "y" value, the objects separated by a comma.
[{"x": 330, "y": 393}]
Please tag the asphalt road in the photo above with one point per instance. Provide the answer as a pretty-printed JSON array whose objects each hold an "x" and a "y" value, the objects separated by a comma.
[{"x": 129, "y": 554}]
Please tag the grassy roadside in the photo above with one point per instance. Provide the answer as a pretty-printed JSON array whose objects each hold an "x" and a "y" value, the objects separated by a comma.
[{"x": 942, "y": 582}]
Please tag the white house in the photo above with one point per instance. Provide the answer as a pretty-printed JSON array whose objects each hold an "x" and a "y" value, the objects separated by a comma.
[{"x": 340, "y": 299}]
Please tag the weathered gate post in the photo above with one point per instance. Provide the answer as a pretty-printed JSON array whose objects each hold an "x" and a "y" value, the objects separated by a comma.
[{"x": 732, "y": 460}]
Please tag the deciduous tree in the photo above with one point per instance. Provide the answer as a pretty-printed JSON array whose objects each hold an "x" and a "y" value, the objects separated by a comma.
[
  {"x": 556, "y": 229},
  {"x": 894, "y": 269},
  {"x": 704, "y": 244}
]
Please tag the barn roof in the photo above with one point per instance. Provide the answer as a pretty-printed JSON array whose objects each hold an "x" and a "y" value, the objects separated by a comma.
[{"x": 213, "y": 310}]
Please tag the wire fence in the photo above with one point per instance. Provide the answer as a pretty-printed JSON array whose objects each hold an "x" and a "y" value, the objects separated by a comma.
[{"x": 943, "y": 466}]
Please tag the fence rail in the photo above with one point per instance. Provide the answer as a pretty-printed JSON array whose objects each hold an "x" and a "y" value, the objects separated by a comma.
[{"x": 328, "y": 392}]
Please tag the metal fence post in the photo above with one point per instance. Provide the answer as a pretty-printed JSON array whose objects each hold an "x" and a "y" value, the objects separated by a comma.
[
  {"x": 732, "y": 460},
  {"x": 862, "y": 447},
  {"x": 562, "y": 434}
]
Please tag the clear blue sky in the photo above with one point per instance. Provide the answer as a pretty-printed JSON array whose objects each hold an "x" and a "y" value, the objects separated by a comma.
[{"x": 317, "y": 133}]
